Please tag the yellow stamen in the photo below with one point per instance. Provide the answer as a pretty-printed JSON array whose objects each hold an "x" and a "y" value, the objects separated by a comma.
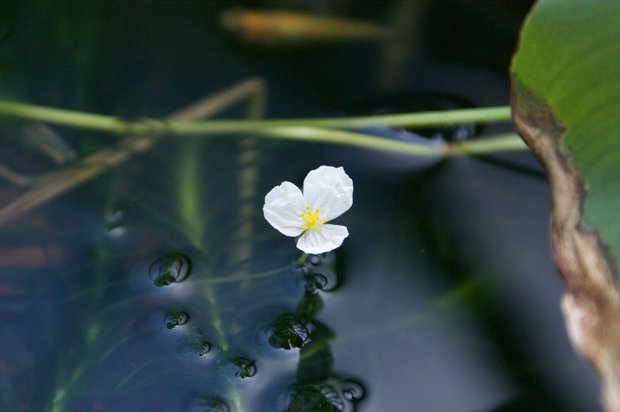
[{"x": 312, "y": 219}]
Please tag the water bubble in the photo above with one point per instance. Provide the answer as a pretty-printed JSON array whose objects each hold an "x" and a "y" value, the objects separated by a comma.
[
  {"x": 315, "y": 259},
  {"x": 320, "y": 274},
  {"x": 331, "y": 395},
  {"x": 207, "y": 405},
  {"x": 288, "y": 332},
  {"x": 323, "y": 279},
  {"x": 170, "y": 268},
  {"x": 242, "y": 367},
  {"x": 353, "y": 391},
  {"x": 176, "y": 318},
  {"x": 311, "y": 286},
  {"x": 202, "y": 348},
  {"x": 314, "y": 397}
]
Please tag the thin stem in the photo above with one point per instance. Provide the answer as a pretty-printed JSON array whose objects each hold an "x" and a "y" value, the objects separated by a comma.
[
  {"x": 505, "y": 142},
  {"x": 63, "y": 117},
  {"x": 310, "y": 130},
  {"x": 420, "y": 119},
  {"x": 116, "y": 125},
  {"x": 489, "y": 144},
  {"x": 300, "y": 260},
  {"x": 330, "y": 136}
]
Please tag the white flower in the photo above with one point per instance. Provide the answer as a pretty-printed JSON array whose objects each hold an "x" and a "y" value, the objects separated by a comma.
[{"x": 327, "y": 193}]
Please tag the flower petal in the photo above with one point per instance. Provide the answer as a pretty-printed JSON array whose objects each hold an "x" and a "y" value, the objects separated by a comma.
[
  {"x": 322, "y": 239},
  {"x": 330, "y": 190},
  {"x": 283, "y": 207}
]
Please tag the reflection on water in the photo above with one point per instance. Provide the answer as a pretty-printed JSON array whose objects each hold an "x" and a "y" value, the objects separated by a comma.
[
  {"x": 199, "y": 330},
  {"x": 376, "y": 325},
  {"x": 159, "y": 286}
]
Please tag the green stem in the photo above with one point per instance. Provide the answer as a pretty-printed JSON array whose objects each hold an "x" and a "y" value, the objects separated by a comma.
[
  {"x": 505, "y": 142},
  {"x": 420, "y": 119},
  {"x": 330, "y": 136},
  {"x": 116, "y": 125},
  {"x": 300, "y": 261},
  {"x": 309, "y": 130},
  {"x": 488, "y": 144},
  {"x": 62, "y": 117}
]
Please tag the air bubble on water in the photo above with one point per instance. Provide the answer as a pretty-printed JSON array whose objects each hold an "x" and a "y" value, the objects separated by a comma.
[
  {"x": 311, "y": 286},
  {"x": 176, "y": 318},
  {"x": 170, "y": 268},
  {"x": 207, "y": 404},
  {"x": 333, "y": 394},
  {"x": 320, "y": 273},
  {"x": 288, "y": 332},
  {"x": 247, "y": 368},
  {"x": 202, "y": 348},
  {"x": 314, "y": 259},
  {"x": 240, "y": 367},
  {"x": 352, "y": 391},
  {"x": 313, "y": 397},
  {"x": 323, "y": 279}
]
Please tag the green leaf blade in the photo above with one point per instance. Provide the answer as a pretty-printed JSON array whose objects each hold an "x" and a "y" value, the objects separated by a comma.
[
  {"x": 566, "y": 101},
  {"x": 572, "y": 62}
]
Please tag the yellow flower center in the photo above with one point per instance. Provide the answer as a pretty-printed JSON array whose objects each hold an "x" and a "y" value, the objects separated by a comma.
[{"x": 311, "y": 218}]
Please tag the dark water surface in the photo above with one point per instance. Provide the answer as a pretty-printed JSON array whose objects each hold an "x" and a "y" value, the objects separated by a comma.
[{"x": 158, "y": 286}]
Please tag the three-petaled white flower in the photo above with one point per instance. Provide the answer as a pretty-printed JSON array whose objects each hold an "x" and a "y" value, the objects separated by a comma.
[{"x": 327, "y": 193}]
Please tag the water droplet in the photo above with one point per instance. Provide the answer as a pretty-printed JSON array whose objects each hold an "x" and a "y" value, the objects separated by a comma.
[
  {"x": 314, "y": 259},
  {"x": 242, "y": 367},
  {"x": 170, "y": 268},
  {"x": 323, "y": 279},
  {"x": 202, "y": 348},
  {"x": 288, "y": 332},
  {"x": 320, "y": 274},
  {"x": 353, "y": 391},
  {"x": 176, "y": 318},
  {"x": 314, "y": 397},
  {"x": 207, "y": 405}
]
